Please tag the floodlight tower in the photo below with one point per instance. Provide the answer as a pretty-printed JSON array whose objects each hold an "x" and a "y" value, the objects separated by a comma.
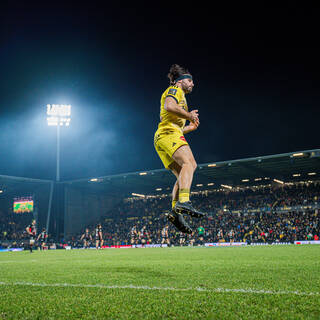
[{"x": 58, "y": 115}]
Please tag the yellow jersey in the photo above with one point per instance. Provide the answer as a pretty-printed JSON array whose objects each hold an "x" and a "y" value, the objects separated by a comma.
[{"x": 170, "y": 122}]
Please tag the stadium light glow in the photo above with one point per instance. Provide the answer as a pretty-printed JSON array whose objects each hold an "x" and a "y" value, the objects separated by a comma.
[
  {"x": 138, "y": 195},
  {"x": 210, "y": 184},
  {"x": 212, "y": 165},
  {"x": 312, "y": 173},
  {"x": 226, "y": 186},
  {"x": 142, "y": 173},
  {"x": 58, "y": 114},
  {"x": 1, "y": 191},
  {"x": 245, "y": 180},
  {"x": 296, "y": 175},
  {"x": 257, "y": 179},
  {"x": 158, "y": 189},
  {"x": 94, "y": 179},
  {"x": 278, "y": 181},
  {"x": 299, "y": 154},
  {"x": 199, "y": 185}
]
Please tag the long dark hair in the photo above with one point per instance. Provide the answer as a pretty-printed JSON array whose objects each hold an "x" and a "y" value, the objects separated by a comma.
[{"x": 175, "y": 72}]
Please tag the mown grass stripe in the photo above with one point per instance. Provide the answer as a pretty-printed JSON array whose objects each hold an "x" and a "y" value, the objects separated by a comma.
[{"x": 214, "y": 290}]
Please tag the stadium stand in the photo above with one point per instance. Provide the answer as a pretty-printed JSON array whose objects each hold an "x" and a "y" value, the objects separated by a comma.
[
  {"x": 267, "y": 214},
  {"x": 260, "y": 199}
]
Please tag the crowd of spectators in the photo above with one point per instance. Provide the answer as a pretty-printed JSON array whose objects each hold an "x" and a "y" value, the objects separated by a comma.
[
  {"x": 257, "y": 214},
  {"x": 13, "y": 228},
  {"x": 12, "y": 225},
  {"x": 283, "y": 213}
]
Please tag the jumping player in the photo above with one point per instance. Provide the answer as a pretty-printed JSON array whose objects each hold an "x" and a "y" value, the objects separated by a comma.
[
  {"x": 99, "y": 239},
  {"x": 86, "y": 237},
  {"x": 43, "y": 238},
  {"x": 172, "y": 147},
  {"x": 31, "y": 231}
]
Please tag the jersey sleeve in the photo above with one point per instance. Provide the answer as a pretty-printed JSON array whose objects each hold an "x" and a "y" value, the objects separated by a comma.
[{"x": 175, "y": 93}]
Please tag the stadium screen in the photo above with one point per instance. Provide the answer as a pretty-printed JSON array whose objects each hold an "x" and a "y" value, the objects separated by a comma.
[{"x": 23, "y": 205}]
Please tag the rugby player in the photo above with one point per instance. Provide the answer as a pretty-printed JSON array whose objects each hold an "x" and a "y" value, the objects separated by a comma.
[
  {"x": 86, "y": 237},
  {"x": 31, "y": 231},
  {"x": 43, "y": 238},
  {"x": 99, "y": 239},
  {"x": 165, "y": 236},
  {"x": 182, "y": 238},
  {"x": 133, "y": 235},
  {"x": 172, "y": 147},
  {"x": 143, "y": 235}
]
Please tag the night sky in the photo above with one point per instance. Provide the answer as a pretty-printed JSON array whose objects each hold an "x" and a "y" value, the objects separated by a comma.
[{"x": 256, "y": 73}]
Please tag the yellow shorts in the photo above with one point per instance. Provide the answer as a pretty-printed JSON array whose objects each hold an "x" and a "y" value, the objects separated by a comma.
[{"x": 166, "y": 144}]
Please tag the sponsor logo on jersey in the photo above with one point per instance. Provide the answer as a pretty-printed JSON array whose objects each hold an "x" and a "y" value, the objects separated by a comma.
[{"x": 172, "y": 91}]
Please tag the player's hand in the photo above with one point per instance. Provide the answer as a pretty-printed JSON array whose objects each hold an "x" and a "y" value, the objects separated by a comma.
[
  {"x": 192, "y": 126},
  {"x": 194, "y": 116}
]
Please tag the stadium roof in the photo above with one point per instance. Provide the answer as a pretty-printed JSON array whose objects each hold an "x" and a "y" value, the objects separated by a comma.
[
  {"x": 10, "y": 184},
  {"x": 286, "y": 167}
]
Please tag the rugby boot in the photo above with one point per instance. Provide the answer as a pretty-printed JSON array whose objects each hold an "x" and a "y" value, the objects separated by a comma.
[
  {"x": 178, "y": 221},
  {"x": 187, "y": 208}
]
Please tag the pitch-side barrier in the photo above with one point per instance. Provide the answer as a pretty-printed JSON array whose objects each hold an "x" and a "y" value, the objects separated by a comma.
[{"x": 209, "y": 244}]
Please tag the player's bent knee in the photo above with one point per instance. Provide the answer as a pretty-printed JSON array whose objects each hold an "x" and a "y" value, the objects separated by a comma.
[{"x": 194, "y": 165}]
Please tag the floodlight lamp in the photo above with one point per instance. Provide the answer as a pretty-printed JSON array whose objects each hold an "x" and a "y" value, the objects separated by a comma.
[
  {"x": 298, "y": 154},
  {"x": 60, "y": 110},
  {"x": 212, "y": 165},
  {"x": 58, "y": 114},
  {"x": 138, "y": 195},
  {"x": 226, "y": 186}
]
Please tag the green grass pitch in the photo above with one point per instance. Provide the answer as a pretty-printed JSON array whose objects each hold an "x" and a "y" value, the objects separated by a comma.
[{"x": 270, "y": 282}]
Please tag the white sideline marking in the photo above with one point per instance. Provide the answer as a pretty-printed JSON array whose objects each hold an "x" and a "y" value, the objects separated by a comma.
[
  {"x": 17, "y": 261},
  {"x": 102, "y": 286}
]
